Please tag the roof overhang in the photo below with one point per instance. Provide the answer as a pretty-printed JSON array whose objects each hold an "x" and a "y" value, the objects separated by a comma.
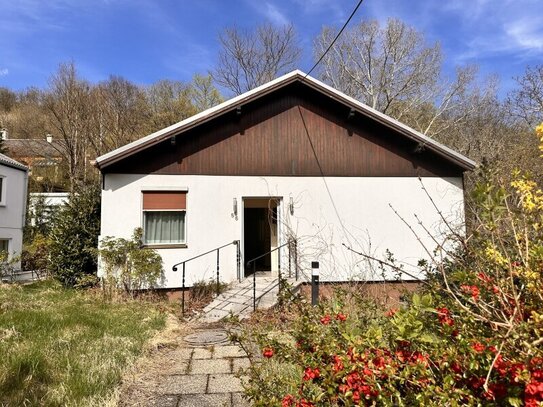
[
  {"x": 152, "y": 139},
  {"x": 10, "y": 162}
]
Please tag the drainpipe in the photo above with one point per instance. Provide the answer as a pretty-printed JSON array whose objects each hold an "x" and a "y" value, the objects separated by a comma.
[{"x": 25, "y": 202}]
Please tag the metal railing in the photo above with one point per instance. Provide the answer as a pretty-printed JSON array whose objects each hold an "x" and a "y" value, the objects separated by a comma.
[
  {"x": 292, "y": 245},
  {"x": 217, "y": 250},
  {"x": 11, "y": 275}
]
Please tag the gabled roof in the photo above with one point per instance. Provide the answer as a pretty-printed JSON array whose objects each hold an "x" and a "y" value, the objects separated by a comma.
[
  {"x": 297, "y": 75},
  {"x": 36, "y": 148},
  {"x": 10, "y": 162}
]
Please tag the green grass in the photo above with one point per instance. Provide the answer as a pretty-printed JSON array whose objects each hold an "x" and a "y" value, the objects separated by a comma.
[{"x": 67, "y": 347}]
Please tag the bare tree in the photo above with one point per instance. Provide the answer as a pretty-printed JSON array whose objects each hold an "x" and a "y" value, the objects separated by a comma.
[
  {"x": 67, "y": 102},
  {"x": 26, "y": 116},
  {"x": 169, "y": 102},
  {"x": 394, "y": 70},
  {"x": 120, "y": 114},
  {"x": 248, "y": 59},
  {"x": 526, "y": 102},
  {"x": 203, "y": 94},
  {"x": 8, "y": 99}
]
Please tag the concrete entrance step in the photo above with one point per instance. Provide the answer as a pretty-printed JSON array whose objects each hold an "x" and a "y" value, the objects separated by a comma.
[{"x": 238, "y": 299}]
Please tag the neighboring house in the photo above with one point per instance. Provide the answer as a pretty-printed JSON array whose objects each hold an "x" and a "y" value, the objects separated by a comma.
[
  {"x": 42, "y": 205},
  {"x": 44, "y": 159},
  {"x": 247, "y": 170},
  {"x": 13, "y": 188}
]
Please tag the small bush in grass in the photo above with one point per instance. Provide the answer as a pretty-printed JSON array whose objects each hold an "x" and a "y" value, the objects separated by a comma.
[
  {"x": 35, "y": 255},
  {"x": 205, "y": 290}
]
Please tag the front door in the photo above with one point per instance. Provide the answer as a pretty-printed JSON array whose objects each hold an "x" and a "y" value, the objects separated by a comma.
[
  {"x": 260, "y": 227},
  {"x": 257, "y": 238}
]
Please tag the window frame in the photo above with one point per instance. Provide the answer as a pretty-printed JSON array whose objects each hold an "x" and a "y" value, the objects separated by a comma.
[
  {"x": 7, "y": 244},
  {"x": 3, "y": 190},
  {"x": 182, "y": 244}
]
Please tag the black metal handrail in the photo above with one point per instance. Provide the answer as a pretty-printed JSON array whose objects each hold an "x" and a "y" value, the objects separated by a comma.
[
  {"x": 290, "y": 243},
  {"x": 216, "y": 249}
]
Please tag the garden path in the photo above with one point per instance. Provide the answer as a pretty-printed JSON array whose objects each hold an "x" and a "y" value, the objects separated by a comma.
[{"x": 202, "y": 370}]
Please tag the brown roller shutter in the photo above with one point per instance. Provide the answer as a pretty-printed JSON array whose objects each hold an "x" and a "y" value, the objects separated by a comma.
[{"x": 164, "y": 200}]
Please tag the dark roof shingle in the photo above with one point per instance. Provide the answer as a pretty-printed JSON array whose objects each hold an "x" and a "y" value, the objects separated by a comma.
[{"x": 10, "y": 162}]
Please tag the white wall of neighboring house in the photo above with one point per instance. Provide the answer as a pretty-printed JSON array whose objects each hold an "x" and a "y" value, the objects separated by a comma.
[
  {"x": 13, "y": 208},
  {"x": 360, "y": 216},
  {"x": 51, "y": 202}
]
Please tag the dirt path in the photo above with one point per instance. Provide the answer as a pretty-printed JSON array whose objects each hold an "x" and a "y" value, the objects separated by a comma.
[{"x": 175, "y": 373}]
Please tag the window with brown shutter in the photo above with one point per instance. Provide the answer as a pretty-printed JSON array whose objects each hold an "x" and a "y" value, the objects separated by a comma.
[{"x": 164, "y": 217}]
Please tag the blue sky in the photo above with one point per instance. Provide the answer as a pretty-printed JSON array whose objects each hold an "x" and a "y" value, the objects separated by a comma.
[{"x": 147, "y": 40}]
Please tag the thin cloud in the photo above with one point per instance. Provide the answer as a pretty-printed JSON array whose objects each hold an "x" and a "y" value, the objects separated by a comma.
[
  {"x": 4, "y": 71},
  {"x": 520, "y": 38},
  {"x": 526, "y": 34},
  {"x": 273, "y": 14},
  {"x": 338, "y": 9}
]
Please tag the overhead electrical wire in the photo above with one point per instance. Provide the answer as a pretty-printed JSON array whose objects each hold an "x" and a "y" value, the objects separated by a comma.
[
  {"x": 337, "y": 36},
  {"x": 307, "y": 130}
]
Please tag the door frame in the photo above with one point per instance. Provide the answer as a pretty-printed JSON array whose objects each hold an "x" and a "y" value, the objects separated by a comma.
[{"x": 279, "y": 200}]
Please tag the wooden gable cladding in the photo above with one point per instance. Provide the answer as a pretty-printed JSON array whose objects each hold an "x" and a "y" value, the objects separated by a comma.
[{"x": 268, "y": 137}]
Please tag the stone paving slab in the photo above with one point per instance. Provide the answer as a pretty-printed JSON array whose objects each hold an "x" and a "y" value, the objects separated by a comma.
[
  {"x": 207, "y": 366},
  {"x": 216, "y": 314},
  {"x": 182, "y": 353},
  {"x": 164, "y": 401},
  {"x": 206, "y": 400},
  {"x": 221, "y": 383},
  {"x": 238, "y": 300},
  {"x": 240, "y": 363},
  {"x": 180, "y": 367},
  {"x": 228, "y": 351},
  {"x": 183, "y": 384},
  {"x": 239, "y": 401},
  {"x": 202, "y": 353},
  {"x": 233, "y": 307}
]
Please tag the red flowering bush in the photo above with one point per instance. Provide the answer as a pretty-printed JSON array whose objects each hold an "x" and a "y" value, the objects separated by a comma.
[
  {"x": 472, "y": 336},
  {"x": 420, "y": 355}
]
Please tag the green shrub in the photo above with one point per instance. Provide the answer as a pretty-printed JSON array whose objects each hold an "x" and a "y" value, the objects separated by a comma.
[
  {"x": 128, "y": 265},
  {"x": 35, "y": 254},
  {"x": 74, "y": 237}
]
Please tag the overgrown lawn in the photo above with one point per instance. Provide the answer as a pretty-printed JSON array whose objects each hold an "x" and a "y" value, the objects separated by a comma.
[{"x": 67, "y": 347}]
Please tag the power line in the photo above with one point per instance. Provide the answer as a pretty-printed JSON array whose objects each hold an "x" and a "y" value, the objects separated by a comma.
[
  {"x": 337, "y": 36},
  {"x": 307, "y": 130},
  {"x": 323, "y": 176}
]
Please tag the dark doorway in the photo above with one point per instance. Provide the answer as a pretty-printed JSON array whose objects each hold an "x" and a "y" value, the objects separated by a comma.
[{"x": 257, "y": 238}]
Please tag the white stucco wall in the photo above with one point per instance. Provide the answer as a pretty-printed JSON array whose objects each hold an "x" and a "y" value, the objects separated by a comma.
[
  {"x": 368, "y": 223},
  {"x": 13, "y": 208}
]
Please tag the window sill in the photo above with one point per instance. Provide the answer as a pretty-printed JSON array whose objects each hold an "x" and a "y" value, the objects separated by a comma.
[{"x": 166, "y": 246}]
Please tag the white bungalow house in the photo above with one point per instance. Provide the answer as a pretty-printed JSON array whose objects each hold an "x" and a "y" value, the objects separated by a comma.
[
  {"x": 13, "y": 189},
  {"x": 291, "y": 159}
]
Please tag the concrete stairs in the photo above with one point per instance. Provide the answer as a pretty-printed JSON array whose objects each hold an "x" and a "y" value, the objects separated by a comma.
[{"x": 238, "y": 299}]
